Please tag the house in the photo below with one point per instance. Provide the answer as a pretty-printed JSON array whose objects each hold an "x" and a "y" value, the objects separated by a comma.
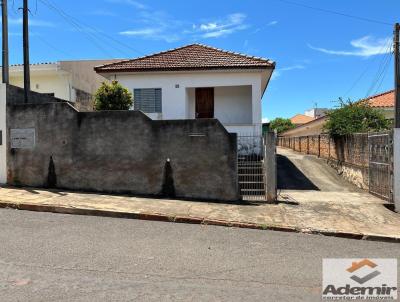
[
  {"x": 316, "y": 112},
  {"x": 313, "y": 127},
  {"x": 300, "y": 119},
  {"x": 194, "y": 82},
  {"x": 383, "y": 102},
  {"x": 73, "y": 81}
]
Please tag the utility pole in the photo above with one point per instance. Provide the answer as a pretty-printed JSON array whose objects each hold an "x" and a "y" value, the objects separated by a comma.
[
  {"x": 396, "y": 132},
  {"x": 27, "y": 81},
  {"x": 5, "y": 63}
]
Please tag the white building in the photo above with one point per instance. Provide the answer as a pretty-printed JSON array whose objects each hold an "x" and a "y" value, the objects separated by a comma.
[
  {"x": 197, "y": 81},
  {"x": 73, "y": 81}
]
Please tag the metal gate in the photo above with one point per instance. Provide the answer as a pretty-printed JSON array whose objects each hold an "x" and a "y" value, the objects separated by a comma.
[
  {"x": 251, "y": 170},
  {"x": 380, "y": 146}
]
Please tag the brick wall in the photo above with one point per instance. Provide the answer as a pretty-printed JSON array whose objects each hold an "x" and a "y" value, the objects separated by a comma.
[
  {"x": 347, "y": 154},
  {"x": 351, "y": 149}
]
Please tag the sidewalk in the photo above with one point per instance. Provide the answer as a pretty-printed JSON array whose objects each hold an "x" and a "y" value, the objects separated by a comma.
[{"x": 336, "y": 216}]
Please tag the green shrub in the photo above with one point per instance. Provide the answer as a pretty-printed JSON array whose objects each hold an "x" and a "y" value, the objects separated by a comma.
[
  {"x": 281, "y": 124},
  {"x": 112, "y": 96},
  {"x": 355, "y": 118}
]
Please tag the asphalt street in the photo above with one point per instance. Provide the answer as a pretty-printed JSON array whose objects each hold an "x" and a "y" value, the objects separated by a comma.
[{"x": 56, "y": 257}]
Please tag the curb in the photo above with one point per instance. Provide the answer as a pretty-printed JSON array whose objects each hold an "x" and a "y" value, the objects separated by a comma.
[{"x": 190, "y": 220}]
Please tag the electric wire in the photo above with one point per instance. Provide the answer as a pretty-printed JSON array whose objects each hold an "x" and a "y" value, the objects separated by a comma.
[
  {"x": 336, "y": 13},
  {"x": 91, "y": 30}
]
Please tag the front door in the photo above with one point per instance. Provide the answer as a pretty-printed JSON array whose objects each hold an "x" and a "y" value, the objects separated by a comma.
[{"x": 204, "y": 102}]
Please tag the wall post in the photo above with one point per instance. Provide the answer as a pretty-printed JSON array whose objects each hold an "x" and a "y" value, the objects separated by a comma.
[
  {"x": 396, "y": 169},
  {"x": 3, "y": 134},
  {"x": 270, "y": 166}
]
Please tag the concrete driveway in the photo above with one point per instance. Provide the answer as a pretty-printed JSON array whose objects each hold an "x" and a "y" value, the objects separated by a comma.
[{"x": 308, "y": 178}]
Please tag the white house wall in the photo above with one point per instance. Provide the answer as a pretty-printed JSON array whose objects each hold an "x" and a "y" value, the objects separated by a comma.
[
  {"x": 59, "y": 84},
  {"x": 174, "y": 86},
  {"x": 232, "y": 105}
]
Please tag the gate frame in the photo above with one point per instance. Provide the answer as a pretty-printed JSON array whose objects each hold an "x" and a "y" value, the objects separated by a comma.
[{"x": 390, "y": 164}]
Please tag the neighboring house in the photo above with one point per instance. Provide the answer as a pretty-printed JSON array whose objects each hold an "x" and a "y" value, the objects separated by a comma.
[
  {"x": 316, "y": 112},
  {"x": 384, "y": 102},
  {"x": 73, "y": 81},
  {"x": 197, "y": 81},
  {"x": 314, "y": 127},
  {"x": 300, "y": 119}
]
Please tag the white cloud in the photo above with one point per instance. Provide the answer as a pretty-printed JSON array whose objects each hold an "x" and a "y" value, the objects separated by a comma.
[
  {"x": 272, "y": 23},
  {"x": 134, "y": 3},
  {"x": 158, "y": 25},
  {"x": 278, "y": 72},
  {"x": 141, "y": 32},
  {"x": 32, "y": 22},
  {"x": 155, "y": 25},
  {"x": 298, "y": 66},
  {"x": 151, "y": 34},
  {"x": 363, "y": 47},
  {"x": 265, "y": 120},
  {"x": 222, "y": 27}
]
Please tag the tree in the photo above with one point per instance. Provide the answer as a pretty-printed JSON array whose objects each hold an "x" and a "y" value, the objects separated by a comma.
[
  {"x": 355, "y": 118},
  {"x": 281, "y": 124},
  {"x": 112, "y": 96}
]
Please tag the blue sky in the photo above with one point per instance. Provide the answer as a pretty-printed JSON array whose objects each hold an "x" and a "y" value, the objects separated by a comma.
[{"x": 320, "y": 56}]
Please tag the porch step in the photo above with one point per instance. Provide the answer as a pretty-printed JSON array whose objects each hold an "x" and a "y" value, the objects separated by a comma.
[{"x": 252, "y": 190}]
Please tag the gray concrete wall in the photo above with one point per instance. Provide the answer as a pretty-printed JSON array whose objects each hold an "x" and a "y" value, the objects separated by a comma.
[
  {"x": 15, "y": 95},
  {"x": 122, "y": 152}
]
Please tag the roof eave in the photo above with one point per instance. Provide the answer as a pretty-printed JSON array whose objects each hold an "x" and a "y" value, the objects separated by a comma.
[{"x": 101, "y": 70}]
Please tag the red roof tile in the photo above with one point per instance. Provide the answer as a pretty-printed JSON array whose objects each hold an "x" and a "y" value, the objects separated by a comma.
[
  {"x": 301, "y": 119},
  {"x": 385, "y": 99},
  {"x": 190, "y": 57}
]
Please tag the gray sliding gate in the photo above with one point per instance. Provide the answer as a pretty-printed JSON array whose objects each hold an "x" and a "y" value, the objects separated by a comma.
[{"x": 380, "y": 146}]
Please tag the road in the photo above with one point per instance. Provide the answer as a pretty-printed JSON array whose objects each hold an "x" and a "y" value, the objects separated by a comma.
[{"x": 57, "y": 257}]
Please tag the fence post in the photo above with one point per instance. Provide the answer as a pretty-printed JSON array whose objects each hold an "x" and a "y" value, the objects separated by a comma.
[
  {"x": 319, "y": 145},
  {"x": 329, "y": 147},
  {"x": 270, "y": 166}
]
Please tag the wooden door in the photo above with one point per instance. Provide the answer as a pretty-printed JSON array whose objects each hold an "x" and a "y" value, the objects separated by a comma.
[{"x": 204, "y": 102}]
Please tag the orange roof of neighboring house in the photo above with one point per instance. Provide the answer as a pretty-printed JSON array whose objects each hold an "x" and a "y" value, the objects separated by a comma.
[
  {"x": 190, "y": 57},
  {"x": 301, "y": 119},
  {"x": 385, "y": 99}
]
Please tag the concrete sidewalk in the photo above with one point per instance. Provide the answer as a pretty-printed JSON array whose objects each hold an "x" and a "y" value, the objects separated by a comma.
[{"x": 336, "y": 215}]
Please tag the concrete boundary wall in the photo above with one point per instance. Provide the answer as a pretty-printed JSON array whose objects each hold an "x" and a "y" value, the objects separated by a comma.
[{"x": 120, "y": 152}]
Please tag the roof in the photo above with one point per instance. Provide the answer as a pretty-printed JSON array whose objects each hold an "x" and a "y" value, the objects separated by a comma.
[
  {"x": 190, "y": 57},
  {"x": 310, "y": 128},
  {"x": 382, "y": 100},
  {"x": 301, "y": 119}
]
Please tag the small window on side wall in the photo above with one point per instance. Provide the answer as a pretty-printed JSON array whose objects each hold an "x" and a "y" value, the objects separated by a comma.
[{"x": 148, "y": 100}]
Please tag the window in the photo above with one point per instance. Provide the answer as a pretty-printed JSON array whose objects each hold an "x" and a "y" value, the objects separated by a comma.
[{"x": 147, "y": 100}]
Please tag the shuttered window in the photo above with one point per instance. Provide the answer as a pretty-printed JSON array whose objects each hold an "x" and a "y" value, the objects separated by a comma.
[{"x": 147, "y": 100}]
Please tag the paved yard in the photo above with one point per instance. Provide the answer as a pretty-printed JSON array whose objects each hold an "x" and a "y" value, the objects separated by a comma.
[
  {"x": 56, "y": 257},
  {"x": 307, "y": 175}
]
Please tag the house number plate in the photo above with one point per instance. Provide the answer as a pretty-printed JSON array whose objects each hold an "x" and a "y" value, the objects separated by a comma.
[{"x": 22, "y": 138}]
